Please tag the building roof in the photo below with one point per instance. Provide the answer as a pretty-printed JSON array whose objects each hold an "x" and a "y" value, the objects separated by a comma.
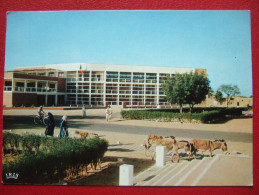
[
  {"x": 107, "y": 67},
  {"x": 25, "y": 69},
  {"x": 117, "y": 67}
]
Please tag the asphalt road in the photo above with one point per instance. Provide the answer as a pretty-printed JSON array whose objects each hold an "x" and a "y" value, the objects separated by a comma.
[
  {"x": 186, "y": 133},
  {"x": 92, "y": 123}
]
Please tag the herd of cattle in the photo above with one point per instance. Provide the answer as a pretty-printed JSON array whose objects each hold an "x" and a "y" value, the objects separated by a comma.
[{"x": 190, "y": 146}]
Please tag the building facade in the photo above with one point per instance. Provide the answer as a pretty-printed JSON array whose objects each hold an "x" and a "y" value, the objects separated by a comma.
[{"x": 89, "y": 84}]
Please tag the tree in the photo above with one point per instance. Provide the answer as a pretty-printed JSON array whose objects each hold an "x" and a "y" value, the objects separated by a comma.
[
  {"x": 197, "y": 88},
  {"x": 230, "y": 91},
  {"x": 174, "y": 90},
  {"x": 219, "y": 96},
  {"x": 188, "y": 88}
]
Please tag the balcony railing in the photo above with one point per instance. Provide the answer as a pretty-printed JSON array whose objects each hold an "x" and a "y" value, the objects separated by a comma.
[
  {"x": 112, "y": 80},
  {"x": 150, "y": 92},
  {"x": 97, "y": 91},
  {"x": 138, "y": 80},
  {"x": 97, "y": 79},
  {"x": 71, "y": 90},
  {"x": 82, "y": 91},
  {"x": 29, "y": 89},
  {"x": 161, "y": 93},
  {"x": 8, "y": 88},
  {"x": 125, "y": 80},
  {"x": 138, "y": 92},
  {"x": 151, "y": 80},
  {"x": 125, "y": 92},
  {"x": 111, "y": 91},
  {"x": 19, "y": 89},
  {"x": 46, "y": 89},
  {"x": 73, "y": 79}
]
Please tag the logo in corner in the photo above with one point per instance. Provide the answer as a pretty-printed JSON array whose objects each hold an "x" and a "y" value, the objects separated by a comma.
[{"x": 12, "y": 175}]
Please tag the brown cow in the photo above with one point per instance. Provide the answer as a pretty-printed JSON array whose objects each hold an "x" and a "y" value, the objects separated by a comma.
[
  {"x": 82, "y": 134},
  {"x": 153, "y": 141},
  {"x": 204, "y": 145},
  {"x": 182, "y": 144},
  {"x": 150, "y": 139}
]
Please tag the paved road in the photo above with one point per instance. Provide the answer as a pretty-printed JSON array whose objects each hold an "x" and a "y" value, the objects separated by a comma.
[
  {"x": 186, "y": 133},
  {"x": 97, "y": 123}
]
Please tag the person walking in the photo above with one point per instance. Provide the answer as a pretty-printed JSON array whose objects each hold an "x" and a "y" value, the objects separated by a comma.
[
  {"x": 50, "y": 125},
  {"x": 64, "y": 127},
  {"x": 108, "y": 113},
  {"x": 83, "y": 112}
]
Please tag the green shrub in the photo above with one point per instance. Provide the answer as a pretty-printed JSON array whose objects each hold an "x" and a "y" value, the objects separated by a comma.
[
  {"x": 199, "y": 114},
  {"x": 56, "y": 158},
  {"x": 11, "y": 142}
]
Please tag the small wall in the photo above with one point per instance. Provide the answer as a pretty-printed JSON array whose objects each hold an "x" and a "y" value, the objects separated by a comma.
[
  {"x": 25, "y": 99},
  {"x": 8, "y": 99}
]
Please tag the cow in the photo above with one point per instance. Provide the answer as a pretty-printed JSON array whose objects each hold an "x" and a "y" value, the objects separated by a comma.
[
  {"x": 86, "y": 134},
  {"x": 82, "y": 134},
  {"x": 182, "y": 144},
  {"x": 153, "y": 141},
  {"x": 204, "y": 145},
  {"x": 219, "y": 144}
]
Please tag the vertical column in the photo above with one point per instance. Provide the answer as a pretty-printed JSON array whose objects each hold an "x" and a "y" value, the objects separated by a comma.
[
  {"x": 131, "y": 89},
  {"x": 76, "y": 86},
  {"x": 13, "y": 85},
  {"x": 90, "y": 87},
  {"x": 126, "y": 175},
  {"x": 160, "y": 156},
  {"x": 46, "y": 100},
  {"x": 36, "y": 86},
  {"x": 157, "y": 92},
  {"x": 118, "y": 87},
  {"x": 56, "y": 100},
  {"x": 56, "y": 86},
  {"x": 25, "y": 85},
  {"x": 144, "y": 95},
  {"x": 65, "y": 99},
  {"x": 104, "y": 87},
  {"x": 47, "y": 86}
]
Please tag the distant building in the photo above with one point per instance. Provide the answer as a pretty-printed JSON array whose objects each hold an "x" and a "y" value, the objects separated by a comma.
[
  {"x": 89, "y": 84},
  {"x": 235, "y": 101}
]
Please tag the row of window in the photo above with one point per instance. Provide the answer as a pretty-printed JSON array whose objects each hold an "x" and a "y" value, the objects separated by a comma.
[
  {"x": 99, "y": 75},
  {"x": 115, "y": 77},
  {"x": 114, "y": 100}
]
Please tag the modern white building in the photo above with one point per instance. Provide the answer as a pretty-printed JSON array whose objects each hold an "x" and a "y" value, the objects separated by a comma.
[{"x": 99, "y": 84}]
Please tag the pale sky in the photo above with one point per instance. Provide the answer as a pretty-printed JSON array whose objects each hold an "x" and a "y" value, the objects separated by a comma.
[{"x": 219, "y": 41}]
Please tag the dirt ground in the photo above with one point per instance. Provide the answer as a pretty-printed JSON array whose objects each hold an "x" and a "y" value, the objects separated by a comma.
[{"x": 124, "y": 143}]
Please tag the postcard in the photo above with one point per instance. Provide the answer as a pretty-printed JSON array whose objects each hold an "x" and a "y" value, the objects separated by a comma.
[{"x": 128, "y": 98}]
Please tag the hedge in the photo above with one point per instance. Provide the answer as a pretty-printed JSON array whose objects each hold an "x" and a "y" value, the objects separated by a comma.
[
  {"x": 57, "y": 158},
  {"x": 170, "y": 115}
]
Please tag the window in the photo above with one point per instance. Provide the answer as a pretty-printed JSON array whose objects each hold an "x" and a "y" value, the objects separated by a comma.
[{"x": 51, "y": 74}]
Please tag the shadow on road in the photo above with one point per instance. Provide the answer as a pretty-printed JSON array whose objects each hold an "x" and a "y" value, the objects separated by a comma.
[
  {"x": 120, "y": 150},
  {"x": 184, "y": 156}
]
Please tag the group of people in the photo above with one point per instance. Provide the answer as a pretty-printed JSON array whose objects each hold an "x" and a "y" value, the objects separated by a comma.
[
  {"x": 51, "y": 124},
  {"x": 63, "y": 125}
]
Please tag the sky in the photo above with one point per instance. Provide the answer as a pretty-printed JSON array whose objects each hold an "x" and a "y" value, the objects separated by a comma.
[{"x": 218, "y": 41}]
